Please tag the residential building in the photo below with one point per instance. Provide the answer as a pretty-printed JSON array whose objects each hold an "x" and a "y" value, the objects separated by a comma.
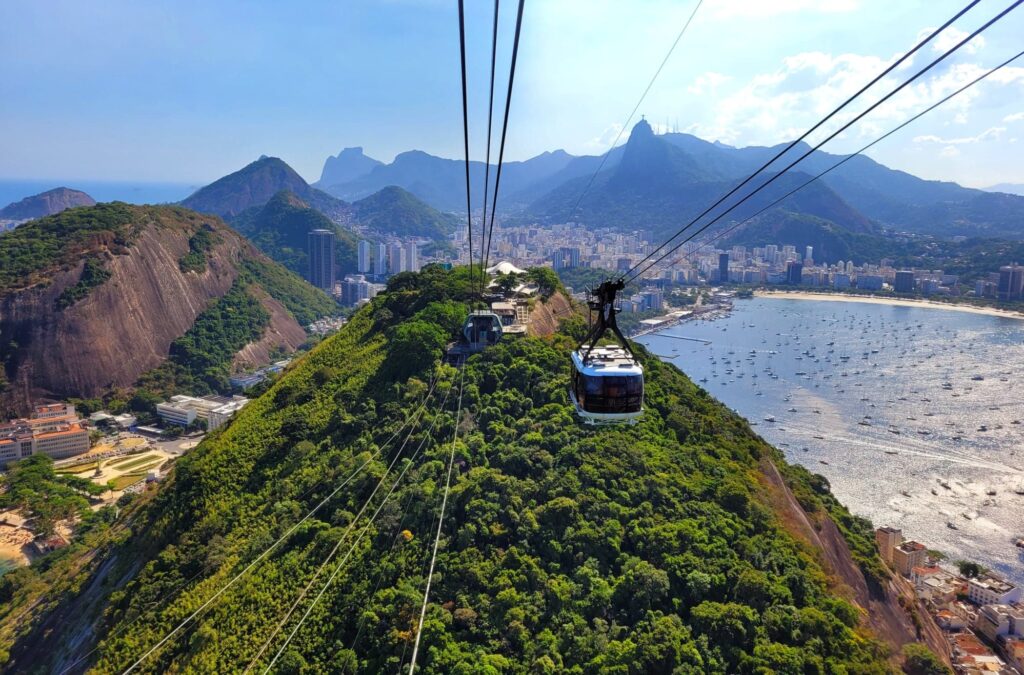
[
  {"x": 870, "y": 282},
  {"x": 412, "y": 257},
  {"x": 53, "y": 430},
  {"x": 908, "y": 555},
  {"x": 215, "y": 410},
  {"x": 321, "y": 259},
  {"x": 396, "y": 261},
  {"x": 904, "y": 282},
  {"x": 809, "y": 255},
  {"x": 794, "y": 273},
  {"x": 363, "y": 255},
  {"x": 653, "y": 299},
  {"x": 723, "y": 267},
  {"x": 380, "y": 261},
  {"x": 354, "y": 289},
  {"x": 936, "y": 584},
  {"x": 888, "y": 538},
  {"x": 949, "y": 620},
  {"x": 971, "y": 655},
  {"x": 1011, "y": 283},
  {"x": 566, "y": 258},
  {"x": 996, "y": 621},
  {"x": 989, "y": 589}
]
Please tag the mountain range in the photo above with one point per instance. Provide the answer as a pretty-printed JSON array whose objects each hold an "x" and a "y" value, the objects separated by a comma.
[
  {"x": 389, "y": 211},
  {"x": 659, "y": 182}
]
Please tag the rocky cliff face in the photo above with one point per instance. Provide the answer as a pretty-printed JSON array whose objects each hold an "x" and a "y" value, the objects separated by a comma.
[
  {"x": 124, "y": 326},
  {"x": 46, "y": 204}
]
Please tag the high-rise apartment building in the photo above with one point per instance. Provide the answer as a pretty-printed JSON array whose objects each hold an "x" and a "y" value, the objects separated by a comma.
[
  {"x": 1011, "y": 283},
  {"x": 412, "y": 257},
  {"x": 363, "y": 255},
  {"x": 794, "y": 273},
  {"x": 321, "y": 259},
  {"x": 723, "y": 268},
  {"x": 380, "y": 261},
  {"x": 904, "y": 282},
  {"x": 396, "y": 259}
]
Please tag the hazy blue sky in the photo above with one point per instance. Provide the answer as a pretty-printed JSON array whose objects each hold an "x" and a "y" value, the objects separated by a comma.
[{"x": 188, "y": 90}]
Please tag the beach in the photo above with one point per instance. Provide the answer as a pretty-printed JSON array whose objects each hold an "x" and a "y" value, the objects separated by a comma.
[
  {"x": 897, "y": 302},
  {"x": 13, "y": 539}
]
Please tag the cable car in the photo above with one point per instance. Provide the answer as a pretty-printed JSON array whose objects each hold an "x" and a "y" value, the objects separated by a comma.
[
  {"x": 607, "y": 382},
  {"x": 481, "y": 330}
]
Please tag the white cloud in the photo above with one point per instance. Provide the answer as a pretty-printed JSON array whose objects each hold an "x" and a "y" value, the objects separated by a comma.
[
  {"x": 990, "y": 133},
  {"x": 1015, "y": 117},
  {"x": 759, "y": 9},
  {"x": 707, "y": 82},
  {"x": 769, "y": 106},
  {"x": 603, "y": 141},
  {"x": 950, "y": 37}
]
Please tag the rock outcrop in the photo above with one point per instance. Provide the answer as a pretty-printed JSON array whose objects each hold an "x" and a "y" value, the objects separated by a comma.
[{"x": 46, "y": 204}]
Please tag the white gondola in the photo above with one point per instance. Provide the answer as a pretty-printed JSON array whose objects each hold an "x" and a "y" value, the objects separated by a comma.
[
  {"x": 607, "y": 386},
  {"x": 607, "y": 381}
]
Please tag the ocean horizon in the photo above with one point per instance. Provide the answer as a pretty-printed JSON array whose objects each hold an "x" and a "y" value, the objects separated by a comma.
[{"x": 132, "y": 192}]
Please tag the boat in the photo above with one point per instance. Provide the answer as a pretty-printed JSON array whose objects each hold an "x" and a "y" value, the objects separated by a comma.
[
  {"x": 769, "y": 418},
  {"x": 892, "y": 452},
  {"x": 821, "y": 461},
  {"x": 792, "y": 410},
  {"x": 951, "y": 526}
]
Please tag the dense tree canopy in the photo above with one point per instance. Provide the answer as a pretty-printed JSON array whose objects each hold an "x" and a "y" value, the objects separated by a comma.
[{"x": 646, "y": 549}]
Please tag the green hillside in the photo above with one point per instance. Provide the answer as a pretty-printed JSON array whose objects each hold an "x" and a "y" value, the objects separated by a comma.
[
  {"x": 393, "y": 210},
  {"x": 280, "y": 228},
  {"x": 31, "y": 253},
  {"x": 658, "y": 548}
]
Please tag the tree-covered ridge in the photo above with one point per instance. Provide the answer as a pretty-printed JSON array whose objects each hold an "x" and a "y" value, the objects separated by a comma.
[
  {"x": 280, "y": 229},
  {"x": 305, "y": 302},
  {"x": 393, "y": 210},
  {"x": 32, "y": 253},
  {"x": 646, "y": 549}
]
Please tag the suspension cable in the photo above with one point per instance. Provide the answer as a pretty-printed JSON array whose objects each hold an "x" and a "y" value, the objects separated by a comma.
[
  {"x": 817, "y": 125},
  {"x": 440, "y": 520},
  {"x": 504, "y": 130},
  {"x": 847, "y": 158},
  {"x": 841, "y": 129},
  {"x": 618, "y": 137},
  {"x": 487, "y": 159},
  {"x": 281, "y": 539},
  {"x": 337, "y": 546},
  {"x": 465, "y": 134}
]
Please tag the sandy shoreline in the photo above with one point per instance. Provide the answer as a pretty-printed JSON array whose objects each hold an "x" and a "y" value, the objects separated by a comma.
[{"x": 900, "y": 302}]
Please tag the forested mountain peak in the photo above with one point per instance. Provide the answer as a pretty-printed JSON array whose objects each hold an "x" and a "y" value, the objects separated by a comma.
[
  {"x": 684, "y": 544},
  {"x": 95, "y": 297},
  {"x": 254, "y": 185}
]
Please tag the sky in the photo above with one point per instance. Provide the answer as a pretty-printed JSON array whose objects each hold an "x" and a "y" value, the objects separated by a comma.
[{"x": 187, "y": 91}]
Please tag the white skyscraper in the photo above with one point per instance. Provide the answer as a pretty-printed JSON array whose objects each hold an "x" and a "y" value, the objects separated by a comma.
[
  {"x": 363, "y": 264},
  {"x": 396, "y": 262},
  {"x": 412, "y": 257},
  {"x": 380, "y": 264},
  {"x": 809, "y": 253}
]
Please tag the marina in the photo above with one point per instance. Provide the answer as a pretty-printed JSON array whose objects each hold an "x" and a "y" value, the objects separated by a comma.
[{"x": 910, "y": 413}]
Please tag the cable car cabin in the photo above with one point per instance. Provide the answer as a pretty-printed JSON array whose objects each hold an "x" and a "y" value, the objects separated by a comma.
[
  {"x": 481, "y": 330},
  {"x": 608, "y": 388}
]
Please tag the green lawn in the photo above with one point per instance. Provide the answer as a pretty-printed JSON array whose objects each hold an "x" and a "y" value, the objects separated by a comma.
[{"x": 121, "y": 482}]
